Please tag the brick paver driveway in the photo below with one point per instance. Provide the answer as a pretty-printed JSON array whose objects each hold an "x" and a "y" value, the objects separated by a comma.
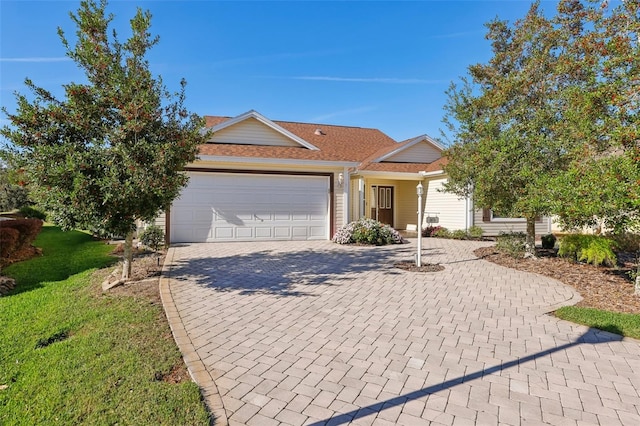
[{"x": 316, "y": 333}]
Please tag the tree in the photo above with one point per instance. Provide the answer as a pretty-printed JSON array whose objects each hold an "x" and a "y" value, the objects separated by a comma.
[
  {"x": 112, "y": 151},
  {"x": 602, "y": 184},
  {"x": 12, "y": 195},
  {"x": 503, "y": 119}
]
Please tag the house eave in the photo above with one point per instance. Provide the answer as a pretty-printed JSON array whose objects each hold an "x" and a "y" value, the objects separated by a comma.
[
  {"x": 270, "y": 161},
  {"x": 264, "y": 120}
]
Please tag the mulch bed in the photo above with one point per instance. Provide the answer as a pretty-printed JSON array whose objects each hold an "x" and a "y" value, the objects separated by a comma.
[
  {"x": 425, "y": 267},
  {"x": 606, "y": 288}
]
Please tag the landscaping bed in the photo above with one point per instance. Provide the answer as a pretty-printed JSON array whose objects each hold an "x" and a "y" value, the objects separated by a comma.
[{"x": 605, "y": 288}]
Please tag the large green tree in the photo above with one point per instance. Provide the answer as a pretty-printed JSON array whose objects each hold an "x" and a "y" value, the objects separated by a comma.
[
  {"x": 502, "y": 118},
  {"x": 602, "y": 184},
  {"x": 549, "y": 124},
  {"x": 111, "y": 152}
]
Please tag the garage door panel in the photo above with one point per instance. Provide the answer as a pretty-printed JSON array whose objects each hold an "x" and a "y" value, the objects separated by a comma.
[{"x": 243, "y": 207}]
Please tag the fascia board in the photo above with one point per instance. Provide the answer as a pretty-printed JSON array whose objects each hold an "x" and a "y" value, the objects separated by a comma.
[
  {"x": 264, "y": 120},
  {"x": 261, "y": 160}
]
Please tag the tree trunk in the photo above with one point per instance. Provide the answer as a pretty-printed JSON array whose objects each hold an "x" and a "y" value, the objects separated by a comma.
[
  {"x": 530, "y": 242},
  {"x": 128, "y": 256}
]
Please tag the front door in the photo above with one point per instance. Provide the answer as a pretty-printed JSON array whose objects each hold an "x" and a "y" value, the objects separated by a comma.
[{"x": 382, "y": 204}]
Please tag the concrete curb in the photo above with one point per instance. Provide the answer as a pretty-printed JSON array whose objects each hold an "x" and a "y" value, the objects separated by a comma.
[{"x": 196, "y": 367}]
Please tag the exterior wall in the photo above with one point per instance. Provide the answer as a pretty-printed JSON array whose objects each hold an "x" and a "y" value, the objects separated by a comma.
[
  {"x": 354, "y": 204},
  {"x": 406, "y": 212},
  {"x": 252, "y": 132},
  {"x": 493, "y": 228},
  {"x": 419, "y": 153},
  {"x": 450, "y": 208},
  {"x": 405, "y": 201}
]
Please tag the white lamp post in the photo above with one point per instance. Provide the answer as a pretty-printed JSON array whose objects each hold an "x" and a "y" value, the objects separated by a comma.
[{"x": 420, "y": 192}]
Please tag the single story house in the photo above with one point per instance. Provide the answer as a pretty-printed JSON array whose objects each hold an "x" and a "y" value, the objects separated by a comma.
[{"x": 260, "y": 179}]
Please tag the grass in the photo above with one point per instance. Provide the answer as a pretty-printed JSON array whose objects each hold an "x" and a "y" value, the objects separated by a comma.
[
  {"x": 69, "y": 355},
  {"x": 619, "y": 323}
]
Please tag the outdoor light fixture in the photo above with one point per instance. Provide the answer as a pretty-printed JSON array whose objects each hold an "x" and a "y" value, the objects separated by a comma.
[
  {"x": 340, "y": 179},
  {"x": 420, "y": 193}
]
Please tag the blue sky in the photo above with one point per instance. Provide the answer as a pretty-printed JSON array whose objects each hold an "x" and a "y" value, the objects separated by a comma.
[{"x": 383, "y": 64}]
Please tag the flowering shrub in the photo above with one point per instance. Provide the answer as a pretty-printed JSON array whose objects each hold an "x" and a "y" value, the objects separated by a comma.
[
  {"x": 367, "y": 231},
  {"x": 429, "y": 231}
]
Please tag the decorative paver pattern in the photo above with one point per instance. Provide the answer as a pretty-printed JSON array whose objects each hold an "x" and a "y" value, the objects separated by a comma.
[{"x": 314, "y": 333}]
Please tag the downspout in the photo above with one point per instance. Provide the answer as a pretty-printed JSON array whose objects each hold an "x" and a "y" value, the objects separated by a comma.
[{"x": 470, "y": 209}]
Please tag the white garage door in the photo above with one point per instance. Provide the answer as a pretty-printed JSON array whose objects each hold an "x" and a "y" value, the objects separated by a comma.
[{"x": 248, "y": 207}]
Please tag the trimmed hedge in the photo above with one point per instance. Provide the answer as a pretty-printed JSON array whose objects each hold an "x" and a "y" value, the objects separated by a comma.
[{"x": 17, "y": 234}]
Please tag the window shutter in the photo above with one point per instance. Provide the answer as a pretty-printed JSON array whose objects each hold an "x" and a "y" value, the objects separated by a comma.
[{"x": 486, "y": 214}]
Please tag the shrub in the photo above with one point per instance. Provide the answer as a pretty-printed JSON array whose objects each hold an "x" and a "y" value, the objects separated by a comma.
[
  {"x": 367, "y": 231},
  {"x": 626, "y": 242},
  {"x": 430, "y": 230},
  {"x": 512, "y": 243},
  {"x": 32, "y": 213},
  {"x": 27, "y": 229},
  {"x": 548, "y": 241},
  {"x": 476, "y": 232},
  {"x": 152, "y": 237},
  {"x": 459, "y": 234},
  {"x": 593, "y": 249},
  {"x": 442, "y": 232}
]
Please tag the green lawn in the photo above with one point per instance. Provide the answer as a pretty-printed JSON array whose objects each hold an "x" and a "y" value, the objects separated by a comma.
[
  {"x": 69, "y": 355},
  {"x": 618, "y": 323}
]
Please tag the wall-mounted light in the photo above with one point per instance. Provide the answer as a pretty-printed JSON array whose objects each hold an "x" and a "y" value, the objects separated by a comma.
[{"x": 340, "y": 180}]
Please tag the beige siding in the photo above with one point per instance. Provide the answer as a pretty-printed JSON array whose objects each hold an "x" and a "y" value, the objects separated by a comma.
[
  {"x": 494, "y": 227},
  {"x": 419, "y": 153},
  {"x": 252, "y": 132},
  {"x": 406, "y": 204},
  {"x": 354, "y": 207},
  {"x": 450, "y": 208}
]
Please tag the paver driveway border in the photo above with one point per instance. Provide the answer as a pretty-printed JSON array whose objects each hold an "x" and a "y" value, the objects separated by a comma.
[{"x": 274, "y": 338}]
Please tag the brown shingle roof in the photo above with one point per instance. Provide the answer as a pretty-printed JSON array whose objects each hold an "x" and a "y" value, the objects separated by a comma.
[{"x": 337, "y": 143}]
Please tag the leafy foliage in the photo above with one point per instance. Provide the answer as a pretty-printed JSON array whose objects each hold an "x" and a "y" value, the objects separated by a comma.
[
  {"x": 594, "y": 249},
  {"x": 429, "y": 231},
  {"x": 152, "y": 236},
  {"x": 550, "y": 123},
  {"x": 367, "y": 231},
  {"x": 32, "y": 213},
  {"x": 12, "y": 195},
  {"x": 476, "y": 232},
  {"x": 112, "y": 151},
  {"x": 512, "y": 243}
]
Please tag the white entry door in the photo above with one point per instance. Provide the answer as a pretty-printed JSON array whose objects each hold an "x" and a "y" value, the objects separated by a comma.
[{"x": 250, "y": 207}]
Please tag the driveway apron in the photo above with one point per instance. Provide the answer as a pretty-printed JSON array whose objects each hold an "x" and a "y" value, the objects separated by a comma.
[{"x": 316, "y": 333}]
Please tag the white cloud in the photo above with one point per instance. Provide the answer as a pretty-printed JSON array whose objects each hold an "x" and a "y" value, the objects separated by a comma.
[
  {"x": 371, "y": 80},
  {"x": 342, "y": 112},
  {"x": 36, "y": 59}
]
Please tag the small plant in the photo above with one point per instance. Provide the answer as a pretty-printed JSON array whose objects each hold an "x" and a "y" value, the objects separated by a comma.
[
  {"x": 459, "y": 234},
  {"x": 29, "y": 212},
  {"x": 441, "y": 233},
  {"x": 476, "y": 232},
  {"x": 367, "y": 231},
  {"x": 152, "y": 237},
  {"x": 512, "y": 243},
  {"x": 593, "y": 249},
  {"x": 548, "y": 241},
  {"x": 430, "y": 230}
]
